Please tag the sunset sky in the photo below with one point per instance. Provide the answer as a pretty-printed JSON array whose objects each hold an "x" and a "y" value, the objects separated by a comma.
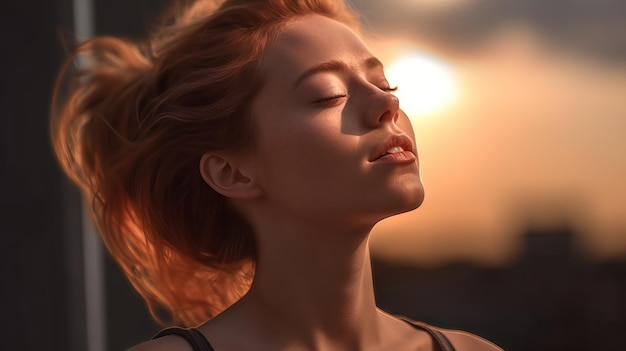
[{"x": 534, "y": 135}]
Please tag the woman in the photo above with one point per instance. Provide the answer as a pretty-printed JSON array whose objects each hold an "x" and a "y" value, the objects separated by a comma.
[{"x": 236, "y": 163}]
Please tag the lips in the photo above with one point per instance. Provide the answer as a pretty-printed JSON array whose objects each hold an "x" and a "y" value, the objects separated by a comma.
[{"x": 397, "y": 148}]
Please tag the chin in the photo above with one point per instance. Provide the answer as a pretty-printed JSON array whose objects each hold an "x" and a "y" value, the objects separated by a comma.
[
  {"x": 405, "y": 201},
  {"x": 413, "y": 199},
  {"x": 411, "y": 193},
  {"x": 410, "y": 190}
]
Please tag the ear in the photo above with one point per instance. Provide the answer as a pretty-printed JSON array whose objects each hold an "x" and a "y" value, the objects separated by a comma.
[{"x": 224, "y": 174}]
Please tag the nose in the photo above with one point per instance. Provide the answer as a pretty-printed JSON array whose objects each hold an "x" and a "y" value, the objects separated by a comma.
[{"x": 383, "y": 108}]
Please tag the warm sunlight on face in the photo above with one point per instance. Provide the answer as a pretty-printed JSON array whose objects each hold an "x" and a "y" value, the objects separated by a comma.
[{"x": 425, "y": 83}]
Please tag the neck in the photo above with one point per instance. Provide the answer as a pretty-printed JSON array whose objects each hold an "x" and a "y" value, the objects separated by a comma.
[{"x": 317, "y": 286}]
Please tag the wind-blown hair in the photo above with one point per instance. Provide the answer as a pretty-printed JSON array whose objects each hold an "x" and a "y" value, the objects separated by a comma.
[{"x": 130, "y": 122}]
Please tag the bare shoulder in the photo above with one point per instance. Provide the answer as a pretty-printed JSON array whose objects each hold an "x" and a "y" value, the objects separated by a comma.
[
  {"x": 166, "y": 343},
  {"x": 465, "y": 341}
]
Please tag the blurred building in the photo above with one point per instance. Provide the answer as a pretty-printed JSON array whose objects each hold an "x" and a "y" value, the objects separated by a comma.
[{"x": 550, "y": 298}]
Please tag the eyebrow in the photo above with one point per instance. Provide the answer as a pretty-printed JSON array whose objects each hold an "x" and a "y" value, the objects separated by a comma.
[{"x": 335, "y": 66}]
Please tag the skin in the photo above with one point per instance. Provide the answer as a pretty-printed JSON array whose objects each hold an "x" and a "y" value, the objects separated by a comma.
[{"x": 312, "y": 193}]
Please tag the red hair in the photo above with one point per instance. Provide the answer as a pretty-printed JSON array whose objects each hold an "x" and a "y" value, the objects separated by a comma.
[{"x": 131, "y": 130}]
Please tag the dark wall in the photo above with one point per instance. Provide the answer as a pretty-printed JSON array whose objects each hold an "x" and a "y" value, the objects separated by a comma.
[
  {"x": 127, "y": 18},
  {"x": 42, "y": 289},
  {"x": 39, "y": 238}
]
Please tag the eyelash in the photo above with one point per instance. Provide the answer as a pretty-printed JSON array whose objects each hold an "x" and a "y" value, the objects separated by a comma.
[
  {"x": 338, "y": 96},
  {"x": 390, "y": 89},
  {"x": 330, "y": 98}
]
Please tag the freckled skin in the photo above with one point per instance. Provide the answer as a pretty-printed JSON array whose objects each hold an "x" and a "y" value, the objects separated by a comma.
[{"x": 313, "y": 158}]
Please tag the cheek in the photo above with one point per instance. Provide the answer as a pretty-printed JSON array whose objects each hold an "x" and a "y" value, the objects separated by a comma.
[
  {"x": 306, "y": 149},
  {"x": 307, "y": 160}
]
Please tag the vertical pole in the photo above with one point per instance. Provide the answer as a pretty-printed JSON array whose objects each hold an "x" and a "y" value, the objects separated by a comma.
[{"x": 95, "y": 299}]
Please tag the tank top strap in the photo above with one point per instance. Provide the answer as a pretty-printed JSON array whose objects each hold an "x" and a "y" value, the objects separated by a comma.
[
  {"x": 197, "y": 341},
  {"x": 438, "y": 336}
]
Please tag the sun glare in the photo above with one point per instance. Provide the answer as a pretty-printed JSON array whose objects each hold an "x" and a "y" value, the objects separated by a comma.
[{"x": 425, "y": 83}]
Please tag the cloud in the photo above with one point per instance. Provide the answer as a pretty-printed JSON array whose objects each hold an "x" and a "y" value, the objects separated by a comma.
[{"x": 595, "y": 29}]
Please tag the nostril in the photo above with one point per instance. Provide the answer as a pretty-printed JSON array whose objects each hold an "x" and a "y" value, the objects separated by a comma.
[
  {"x": 388, "y": 116},
  {"x": 384, "y": 105},
  {"x": 382, "y": 117},
  {"x": 393, "y": 105}
]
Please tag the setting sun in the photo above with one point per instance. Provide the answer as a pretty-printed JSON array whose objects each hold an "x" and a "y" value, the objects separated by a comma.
[{"x": 424, "y": 82}]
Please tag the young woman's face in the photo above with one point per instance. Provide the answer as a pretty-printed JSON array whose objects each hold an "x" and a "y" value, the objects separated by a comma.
[{"x": 332, "y": 144}]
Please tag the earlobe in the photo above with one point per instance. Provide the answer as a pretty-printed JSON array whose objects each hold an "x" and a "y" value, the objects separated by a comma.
[{"x": 223, "y": 175}]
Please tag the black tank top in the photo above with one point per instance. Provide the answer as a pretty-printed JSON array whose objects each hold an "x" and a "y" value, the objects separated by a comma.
[{"x": 199, "y": 343}]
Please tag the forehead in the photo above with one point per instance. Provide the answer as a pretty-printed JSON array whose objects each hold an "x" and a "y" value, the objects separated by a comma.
[{"x": 311, "y": 40}]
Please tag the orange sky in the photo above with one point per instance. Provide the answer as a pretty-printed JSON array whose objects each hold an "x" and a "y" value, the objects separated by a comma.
[{"x": 536, "y": 138}]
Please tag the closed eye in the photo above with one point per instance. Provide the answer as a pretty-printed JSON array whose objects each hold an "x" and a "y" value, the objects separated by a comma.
[
  {"x": 339, "y": 96},
  {"x": 330, "y": 98}
]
